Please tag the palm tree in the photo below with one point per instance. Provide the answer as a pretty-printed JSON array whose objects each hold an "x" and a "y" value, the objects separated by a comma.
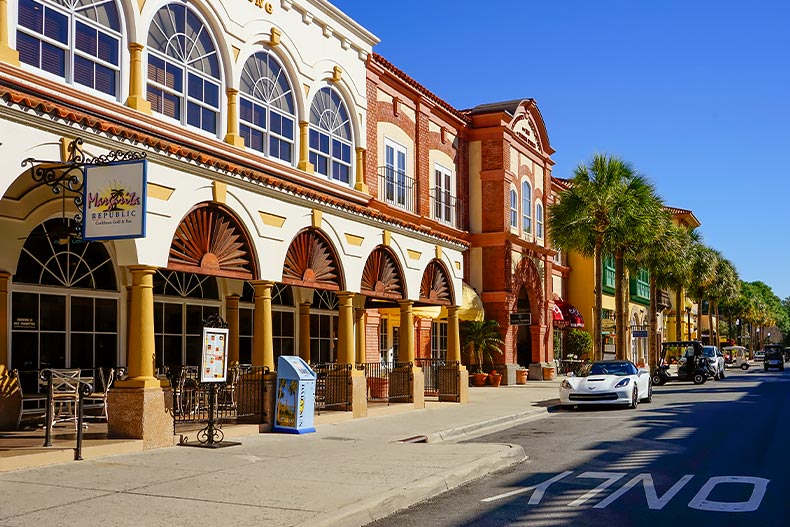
[
  {"x": 642, "y": 215},
  {"x": 483, "y": 339},
  {"x": 596, "y": 214},
  {"x": 662, "y": 256}
]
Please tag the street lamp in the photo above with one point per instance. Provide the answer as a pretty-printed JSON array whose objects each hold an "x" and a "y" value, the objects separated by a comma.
[{"x": 688, "y": 321}]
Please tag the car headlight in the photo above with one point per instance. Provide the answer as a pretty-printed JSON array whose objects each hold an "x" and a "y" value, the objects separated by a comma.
[
  {"x": 622, "y": 383},
  {"x": 566, "y": 385}
]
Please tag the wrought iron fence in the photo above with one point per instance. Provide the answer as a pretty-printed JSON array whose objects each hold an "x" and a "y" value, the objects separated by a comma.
[
  {"x": 568, "y": 367},
  {"x": 333, "y": 386},
  {"x": 389, "y": 381},
  {"x": 449, "y": 381},
  {"x": 240, "y": 399},
  {"x": 430, "y": 369}
]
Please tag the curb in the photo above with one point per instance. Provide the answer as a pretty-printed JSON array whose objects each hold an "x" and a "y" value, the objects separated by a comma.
[
  {"x": 478, "y": 429},
  {"x": 377, "y": 507}
]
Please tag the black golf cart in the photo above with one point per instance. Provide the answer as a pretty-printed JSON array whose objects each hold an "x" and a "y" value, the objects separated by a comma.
[{"x": 691, "y": 363}]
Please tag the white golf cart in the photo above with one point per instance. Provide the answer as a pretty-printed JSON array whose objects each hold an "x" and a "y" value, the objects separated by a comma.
[{"x": 739, "y": 357}]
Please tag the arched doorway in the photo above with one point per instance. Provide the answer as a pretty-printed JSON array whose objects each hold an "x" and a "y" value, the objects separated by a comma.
[{"x": 524, "y": 334}]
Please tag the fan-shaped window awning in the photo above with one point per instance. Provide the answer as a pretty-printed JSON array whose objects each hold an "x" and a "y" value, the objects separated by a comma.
[
  {"x": 382, "y": 277},
  {"x": 211, "y": 241},
  {"x": 435, "y": 287},
  {"x": 566, "y": 316},
  {"x": 312, "y": 262}
]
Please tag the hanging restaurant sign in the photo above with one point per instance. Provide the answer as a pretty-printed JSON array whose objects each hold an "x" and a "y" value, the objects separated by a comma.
[
  {"x": 108, "y": 191},
  {"x": 114, "y": 203}
]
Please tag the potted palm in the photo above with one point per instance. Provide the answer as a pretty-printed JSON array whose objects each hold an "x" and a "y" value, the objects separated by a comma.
[{"x": 483, "y": 340}]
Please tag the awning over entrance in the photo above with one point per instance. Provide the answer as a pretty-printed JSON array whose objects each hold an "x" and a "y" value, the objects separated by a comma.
[
  {"x": 566, "y": 316},
  {"x": 471, "y": 308}
]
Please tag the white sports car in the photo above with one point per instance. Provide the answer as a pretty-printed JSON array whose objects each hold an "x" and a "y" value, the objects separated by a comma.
[{"x": 607, "y": 382}]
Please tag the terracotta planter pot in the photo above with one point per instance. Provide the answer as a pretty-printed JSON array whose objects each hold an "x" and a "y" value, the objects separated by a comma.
[
  {"x": 494, "y": 379},
  {"x": 479, "y": 379}
]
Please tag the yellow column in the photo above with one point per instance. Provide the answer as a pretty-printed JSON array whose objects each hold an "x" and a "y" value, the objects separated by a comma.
[
  {"x": 304, "y": 150},
  {"x": 304, "y": 331},
  {"x": 453, "y": 335},
  {"x": 136, "y": 98},
  {"x": 361, "y": 344},
  {"x": 262, "y": 336},
  {"x": 7, "y": 54},
  {"x": 5, "y": 359},
  {"x": 232, "y": 318},
  {"x": 406, "y": 351},
  {"x": 345, "y": 328},
  {"x": 142, "y": 351},
  {"x": 360, "y": 182},
  {"x": 233, "y": 137}
]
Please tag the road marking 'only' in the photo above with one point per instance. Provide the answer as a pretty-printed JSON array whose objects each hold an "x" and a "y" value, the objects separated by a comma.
[{"x": 700, "y": 501}]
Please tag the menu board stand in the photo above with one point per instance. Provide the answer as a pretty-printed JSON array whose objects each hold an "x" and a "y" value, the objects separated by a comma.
[{"x": 213, "y": 370}]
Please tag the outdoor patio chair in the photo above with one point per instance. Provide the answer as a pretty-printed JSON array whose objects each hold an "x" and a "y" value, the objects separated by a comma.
[
  {"x": 99, "y": 399},
  {"x": 65, "y": 394}
]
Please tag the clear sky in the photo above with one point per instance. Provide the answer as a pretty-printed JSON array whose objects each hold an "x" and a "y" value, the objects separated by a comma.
[{"x": 694, "y": 93}]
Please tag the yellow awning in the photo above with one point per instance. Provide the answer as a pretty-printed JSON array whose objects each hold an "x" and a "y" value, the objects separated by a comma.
[{"x": 471, "y": 308}]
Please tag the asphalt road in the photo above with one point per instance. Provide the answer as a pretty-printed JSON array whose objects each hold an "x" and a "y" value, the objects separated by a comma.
[{"x": 714, "y": 454}]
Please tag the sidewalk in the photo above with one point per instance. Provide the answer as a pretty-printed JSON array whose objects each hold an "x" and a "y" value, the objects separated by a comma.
[{"x": 348, "y": 473}]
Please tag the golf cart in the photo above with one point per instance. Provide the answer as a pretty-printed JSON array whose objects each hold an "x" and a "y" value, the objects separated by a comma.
[
  {"x": 738, "y": 357},
  {"x": 691, "y": 363}
]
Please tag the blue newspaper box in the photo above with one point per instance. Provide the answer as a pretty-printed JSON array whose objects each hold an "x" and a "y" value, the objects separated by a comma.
[{"x": 293, "y": 412}]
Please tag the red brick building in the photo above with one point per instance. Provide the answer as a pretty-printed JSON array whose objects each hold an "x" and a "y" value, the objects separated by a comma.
[{"x": 510, "y": 262}]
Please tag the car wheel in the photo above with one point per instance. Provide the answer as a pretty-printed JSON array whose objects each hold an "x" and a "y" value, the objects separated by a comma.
[
  {"x": 635, "y": 398},
  {"x": 698, "y": 378},
  {"x": 649, "y": 398},
  {"x": 658, "y": 380},
  {"x": 744, "y": 366}
]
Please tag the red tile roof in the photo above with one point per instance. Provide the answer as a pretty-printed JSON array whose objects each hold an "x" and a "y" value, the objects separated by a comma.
[
  {"x": 384, "y": 63},
  {"x": 103, "y": 124}
]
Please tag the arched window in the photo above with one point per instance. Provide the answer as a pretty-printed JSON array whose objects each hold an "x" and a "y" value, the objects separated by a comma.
[
  {"x": 267, "y": 115},
  {"x": 182, "y": 301},
  {"x": 64, "y": 303},
  {"x": 78, "y": 40},
  {"x": 330, "y": 136},
  {"x": 183, "y": 68},
  {"x": 539, "y": 219},
  {"x": 526, "y": 208},
  {"x": 513, "y": 208}
]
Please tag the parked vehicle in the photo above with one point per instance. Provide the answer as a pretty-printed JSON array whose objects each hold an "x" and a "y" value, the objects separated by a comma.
[
  {"x": 774, "y": 357},
  {"x": 759, "y": 355},
  {"x": 739, "y": 357},
  {"x": 715, "y": 360},
  {"x": 607, "y": 382},
  {"x": 692, "y": 366}
]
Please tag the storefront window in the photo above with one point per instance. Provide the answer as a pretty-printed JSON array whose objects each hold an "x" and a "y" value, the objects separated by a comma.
[
  {"x": 64, "y": 302},
  {"x": 182, "y": 302}
]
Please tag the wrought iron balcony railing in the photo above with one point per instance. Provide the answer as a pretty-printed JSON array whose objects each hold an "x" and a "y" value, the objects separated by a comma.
[
  {"x": 446, "y": 208},
  {"x": 397, "y": 189}
]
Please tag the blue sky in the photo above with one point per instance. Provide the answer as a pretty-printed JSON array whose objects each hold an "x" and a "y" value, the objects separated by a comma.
[{"x": 695, "y": 94}]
